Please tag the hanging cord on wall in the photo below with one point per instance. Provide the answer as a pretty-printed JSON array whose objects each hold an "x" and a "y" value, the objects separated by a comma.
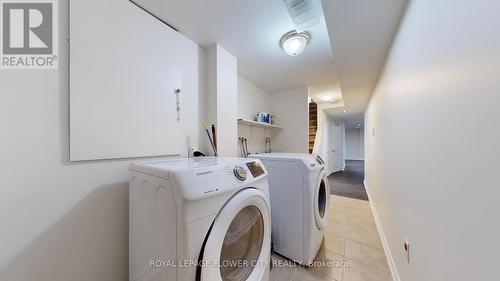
[
  {"x": 210, "y": 138},
  {"x": 267, "y": 147},
  {"x": 214, "y": 136},
  {"x": 244, "y": 147},
  {"x": 178, "y": 103}
]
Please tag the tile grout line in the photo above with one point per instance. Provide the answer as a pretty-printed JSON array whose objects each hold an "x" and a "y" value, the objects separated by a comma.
[
  {"x": 351, "y": 210},
  {"x": 345, "y": 240},
  {"x": 373, "y": 267},
  {"x": 366, "y": 244},
  {"x": 293, "y": 274},
  {"x": 361, "y": 243},
  {"x": 388, "y": 255}
]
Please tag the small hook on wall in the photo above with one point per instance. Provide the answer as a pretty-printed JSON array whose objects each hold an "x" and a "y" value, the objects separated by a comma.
[{"x": 178, "y": 93}]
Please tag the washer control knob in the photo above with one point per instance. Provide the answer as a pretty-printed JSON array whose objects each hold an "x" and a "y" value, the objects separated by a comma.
[{"x": 240, "y": 173}]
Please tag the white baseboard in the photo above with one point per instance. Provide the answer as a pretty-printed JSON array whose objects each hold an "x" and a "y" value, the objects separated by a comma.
[{"x": 388, "y": 255}]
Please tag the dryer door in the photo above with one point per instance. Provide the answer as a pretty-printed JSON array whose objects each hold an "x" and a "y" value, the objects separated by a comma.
[
  {"x": 239, "y": 243},
  {"x": 321, "y": 201}
]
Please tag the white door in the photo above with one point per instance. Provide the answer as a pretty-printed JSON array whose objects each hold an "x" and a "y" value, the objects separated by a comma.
[
  {"x": 330, "y": 159},
  {"x": 336, "y": 153},
  {"x": 239, "y": 244}
]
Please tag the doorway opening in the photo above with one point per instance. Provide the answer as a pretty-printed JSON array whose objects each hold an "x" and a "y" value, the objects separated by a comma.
[{"x": 348, "y": 180}]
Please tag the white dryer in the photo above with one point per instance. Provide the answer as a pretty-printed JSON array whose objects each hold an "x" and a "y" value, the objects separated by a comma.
[
  {"x": 199, "y": 219},
  {"x": 300, "y": 201}
]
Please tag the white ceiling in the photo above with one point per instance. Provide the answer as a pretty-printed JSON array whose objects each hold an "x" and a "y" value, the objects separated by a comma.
[
  {"x": 347, "y": 50},
  {"x": 355, "y": 122},
  {"x": 251, "y": 31},
  {"x": 361, "y": 33}
]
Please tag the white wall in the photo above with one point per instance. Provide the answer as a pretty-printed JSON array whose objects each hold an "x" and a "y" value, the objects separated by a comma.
[
  {"x": 322, "y": 141},
  {"x": 222, "y": 97},
  {"x": 60, "y": 220},
  {"x": 354, "y": 144},
  {"x": 292, "y": 114},
  {"x": 432, "y": 141},
  {"x": 252, "y": 99}
]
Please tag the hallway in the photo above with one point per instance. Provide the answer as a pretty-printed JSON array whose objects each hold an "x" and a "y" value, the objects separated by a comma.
[{"x": 349, "y": 183}]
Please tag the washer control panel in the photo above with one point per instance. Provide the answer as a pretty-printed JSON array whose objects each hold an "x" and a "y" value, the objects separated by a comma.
[
  {"x": 255, "y": 168},
  {"x": 320, "y": 160},
  {"x": 240, "y": 173},
  {"x": 313, "y": 162}
]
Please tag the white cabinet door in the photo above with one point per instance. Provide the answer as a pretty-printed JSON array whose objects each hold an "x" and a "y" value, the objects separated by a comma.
[{"x": 125, "y": 67}]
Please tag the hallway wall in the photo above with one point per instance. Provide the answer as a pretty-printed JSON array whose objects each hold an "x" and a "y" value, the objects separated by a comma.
[
  {"x": 432, "y": 141},
  {"x": 354, "y": 144}
]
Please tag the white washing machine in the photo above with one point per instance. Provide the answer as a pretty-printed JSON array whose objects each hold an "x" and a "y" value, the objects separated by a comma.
[
  {"x": 199, "y": 219},
  {"x": 300, "y": 200}
]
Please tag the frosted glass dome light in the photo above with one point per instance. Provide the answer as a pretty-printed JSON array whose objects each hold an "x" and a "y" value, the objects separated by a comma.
[{"x": 294, "y": 43}]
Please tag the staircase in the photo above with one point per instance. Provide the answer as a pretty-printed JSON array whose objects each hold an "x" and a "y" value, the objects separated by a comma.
[{"x": 313, "y": 124}]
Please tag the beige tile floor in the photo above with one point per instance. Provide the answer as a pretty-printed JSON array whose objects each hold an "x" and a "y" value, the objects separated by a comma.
[{"x": 351, "y": 246}]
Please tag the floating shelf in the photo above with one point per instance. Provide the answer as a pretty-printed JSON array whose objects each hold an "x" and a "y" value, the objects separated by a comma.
[{"x": 257, "y": 124}]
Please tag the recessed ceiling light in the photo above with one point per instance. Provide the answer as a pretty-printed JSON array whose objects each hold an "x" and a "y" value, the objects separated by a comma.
[
  {"x": 294, "y": 43},
  {"x": 345, "y": 111}
]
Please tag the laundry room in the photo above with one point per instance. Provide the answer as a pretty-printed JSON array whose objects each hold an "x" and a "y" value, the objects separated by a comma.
[{"x": 264, "y": 140}]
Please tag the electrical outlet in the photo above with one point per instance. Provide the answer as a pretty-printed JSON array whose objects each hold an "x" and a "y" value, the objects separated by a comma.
[
  {"x": 192, "y": 150},
  {"x": 406, "y": 249},
  {"x": 373, "y": 132}
]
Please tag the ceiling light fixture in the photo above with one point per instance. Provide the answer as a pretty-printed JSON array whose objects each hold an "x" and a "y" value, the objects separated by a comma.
[
  {"x": 345, "y": 111},
  {"x": 327, "y": 98},
  {"x": 294, "y": 43}
]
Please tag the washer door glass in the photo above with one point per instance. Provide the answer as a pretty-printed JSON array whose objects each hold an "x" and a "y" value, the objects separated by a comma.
[
  {"x": 321, "y": 202},
  {"x": 322, "y": 199},
  {"x": 242, "y": 245},
  {"x": 238, "y": 245}
]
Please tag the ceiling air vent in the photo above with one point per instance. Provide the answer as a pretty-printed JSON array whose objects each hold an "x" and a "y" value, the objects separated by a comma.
[{"x": 304, "y": 13}]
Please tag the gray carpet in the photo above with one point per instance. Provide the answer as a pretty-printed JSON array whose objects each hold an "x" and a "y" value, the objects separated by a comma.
[{"x": 349, "y": 183}]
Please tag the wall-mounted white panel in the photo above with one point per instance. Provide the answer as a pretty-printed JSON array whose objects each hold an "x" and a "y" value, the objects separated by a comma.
[{"x": 125, "y": 66}]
